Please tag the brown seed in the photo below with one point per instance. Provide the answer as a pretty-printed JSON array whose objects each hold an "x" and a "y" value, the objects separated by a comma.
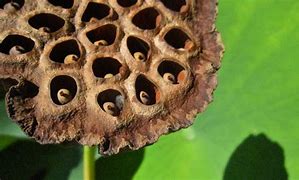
[
  {"x": 70, "y": 59},
  {"x": 108, "y": 75},
  {"x": 158, "y": 20},
  {"x": 182, "y": 76},
  {"x": 139, "y": 56},
  {"x": 184, "y": 9},
  {"x": 144, "y": 97},
  {"x": 101, "y": 43},
  {"x": 64, "y": 96},
  {"x": 45, "y": 29},
  {"x": 168, "y": 77},
  {"x": 189, "y": 45},
  {"x": 110, "y": 108},
  {"x": 16, "y": 50}
]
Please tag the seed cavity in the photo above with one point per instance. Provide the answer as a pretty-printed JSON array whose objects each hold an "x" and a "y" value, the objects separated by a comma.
[
  {"x": 46, "y": 22},
  {"x": 138, "y": 48},
  {"x": 147, "y": 19},
  {"x": 67, "y": 52},
  {"x": 175, "y": 5},
  {"x": 63, "y": 89},
  {"x": 126, "y": 3},
  {"x": 16, "y": 45},
  {"x": 111, "y": 101},
  {"x": 95, "y": 10},
  {"x": 106, "y": 67},
  {"x": 146, "y": 92},
  {"x": 105, "y": 34},
  {"x": 172, "y": 72},
  {"x": 179, "y": 39},
  {"x": 67, "y": 4}
]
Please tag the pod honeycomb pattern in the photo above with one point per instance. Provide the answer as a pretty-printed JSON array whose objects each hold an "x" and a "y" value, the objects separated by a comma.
[{"x": 113, "y": 73}]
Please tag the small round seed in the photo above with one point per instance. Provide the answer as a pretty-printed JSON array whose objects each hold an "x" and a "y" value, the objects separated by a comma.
[
  {"x": 16, "y": 50},
  {"x": 144, "y": 97},
  {"x": 111, "y": 108},
  {"x": 45, "y": 29},
  {"x": 108, "y": 75},
  {"x": 70, "y": 59},
  {"x": 168, "y": 77},
  {"x": 101, "y": 43},
  {"x": 64, "y": 96},
  {"x": 139, "y": 56}
]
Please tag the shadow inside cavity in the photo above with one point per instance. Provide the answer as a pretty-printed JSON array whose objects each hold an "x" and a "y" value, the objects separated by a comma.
[{"x": 258, "y": 158}]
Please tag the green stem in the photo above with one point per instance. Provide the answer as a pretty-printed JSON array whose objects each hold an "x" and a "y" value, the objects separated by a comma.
[{"x": 89, "y": 163}]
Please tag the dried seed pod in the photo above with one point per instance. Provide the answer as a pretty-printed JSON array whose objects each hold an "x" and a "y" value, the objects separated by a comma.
[
  {"x": 176, "y": 40},
  {"x": 144, "y": 97},
  {"x": 139, "y": 56},
  {"x": 70, "y": 59},
  {"x": 170, "y": 78},
  {"x": 101, "y": 43},
  {"x": 111, "y": 108},
  {"x": 64, "y": 96},
  {"x": 16, "y": 50}
]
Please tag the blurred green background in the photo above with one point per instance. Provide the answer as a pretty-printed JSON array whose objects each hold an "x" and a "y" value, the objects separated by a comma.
[{"x": 249, "y": 132}]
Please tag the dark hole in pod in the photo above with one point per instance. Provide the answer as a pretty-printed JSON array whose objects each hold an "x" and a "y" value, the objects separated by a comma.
[
  {"x": 106, "y": 145},
  {"x": 126, "y": 3},
  {"x": 177, "y": 38},
  {"x": 106, "y": 66},
  {"x": 95, "y": 10},
  {"x": 11, "y": 41},
  {"x": 111, "y": 96},
  {"x": 174, "y": 5},
  {"x": 137, "y": 45},
  {"x": 143, "y": 85},
  {"x": 106, "y": 32},
  {"x": 63, "y": 49},
  {"x": 45, "y": 20},
  {"x": 5, "y": 85},
  {"x": 67, "y": 4},
  {"x": 63, "y": 82},
  {"x": 19, "y": 3},
  {"x": 173, "y": 68},
  {"x": 146, "y": 19}
]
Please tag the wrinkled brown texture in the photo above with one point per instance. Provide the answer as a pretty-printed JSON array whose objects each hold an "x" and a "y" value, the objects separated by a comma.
[{"x": 32, "y": 78}]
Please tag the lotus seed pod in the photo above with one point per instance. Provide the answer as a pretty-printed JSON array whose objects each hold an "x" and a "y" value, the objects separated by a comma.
[
  {"x": 111, "y": 108},
  {"x": 139, "y": 56},
  {"x": 64, "y": 96},
  {"x": 70, "y": 59},
  {"x": 141, "y": 47},
  {"x": 168, "y": 77},
  {"x": 101, "y": 43},
  {"x": 16, "y": 50}
]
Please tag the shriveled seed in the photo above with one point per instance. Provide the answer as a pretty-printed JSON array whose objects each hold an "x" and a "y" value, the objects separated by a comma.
[
  {"x": 70, "y": 59},
  {"x": 168, "y": 77},
  {"x": 16, "y": 50},
  {"x": 144, "y": 97},
  {"x": 108, "y": 75},
  {"x": 111, "y": 108},
  {"x": 45, "y": 29},
  {"x": 64, "y": 96},
  {"x": 139, "y": 56},
  {"x": 11, "y": 7},
  {"x": 101, "y": 43}
]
